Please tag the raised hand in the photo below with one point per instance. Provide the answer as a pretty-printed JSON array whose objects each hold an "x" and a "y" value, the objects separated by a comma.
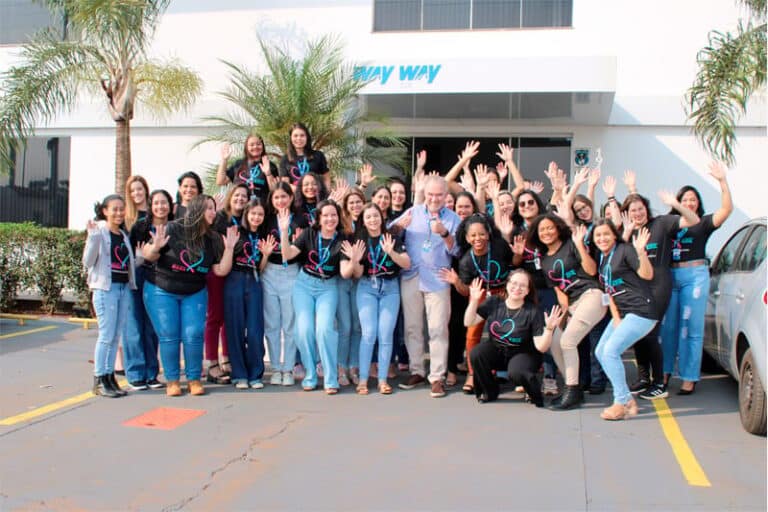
[
  {"x": 448, "y": 275},
  {"x": 505, "y": 152},
  {"x": 492, "y": 189},
  {"x": 265, "y": 164},
  {"x": 667, "y": 197},
  {"x": 340, "y": 188},
  {"x": 640, "y": 240},
  {"x": 348, "y": 250},
  {"x": 231, "y": 238},
  {"x": 506, "y": 226},
  {"x": 366, "y": 175},
  {"x": 554, "y": 318},
  {"x": 717, "y": 170},
  {"x": 481, "y": 176},
  {"x": 405, "y": 220},
  {"x": 421, "y": 160},
  {"x": 470, "y": 150},
  {"x": 267, "y": 245},
  {"x": 476, "y": 290},
  {"x": 630, "y": 180},
  {"x": 284, "y": 219},
  {"x": 358, "y": 251},
  {"x": 501, "y": 170},
  {"x": 578, "y": 233},
  {"x": 609, "y": 186},
  {"x": 537, "y": 186},
  {"x": 91, "y": 226},
  {"x": 467, "y": 182},
  {"x": 159, "y": 238},
  {"x": 218, "y": 199},
  {"x": 518, "y": 245},
  {"x": 419, "y": 181},
  {"x": 225, "y": 151},
  {"x": 594, "y": 178},
  {"x": 581, "y": 177},
  {"x": 387, "y": 244}
]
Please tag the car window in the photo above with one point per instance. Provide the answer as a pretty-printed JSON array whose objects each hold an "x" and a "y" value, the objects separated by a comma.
[
  {"x": 753, "y": 253},
  {"x": 727, "y": 256}
]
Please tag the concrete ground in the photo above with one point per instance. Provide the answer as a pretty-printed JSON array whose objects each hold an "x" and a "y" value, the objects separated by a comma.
[{"x": 285, "y": 449}]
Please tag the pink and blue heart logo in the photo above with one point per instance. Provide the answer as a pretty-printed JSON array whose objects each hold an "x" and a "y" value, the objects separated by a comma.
[
  {"x": 121, "y": 256},
  {"x": 559, "y": 268},
  {"x": 186, "y": 260},
  {"x": 502, "y": 330}
]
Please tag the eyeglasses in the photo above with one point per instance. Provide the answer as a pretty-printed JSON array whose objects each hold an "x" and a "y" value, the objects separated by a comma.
[
  {"x": 528, "y": 203},
  {"x": 581, "y": 209},
  {"x": 520, "y": 286}
]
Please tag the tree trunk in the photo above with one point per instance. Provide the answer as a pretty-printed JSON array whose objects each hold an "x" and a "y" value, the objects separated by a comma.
[{"x": 122, "y": 155}]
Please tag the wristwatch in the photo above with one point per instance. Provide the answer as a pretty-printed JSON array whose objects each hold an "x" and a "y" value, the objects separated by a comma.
[{"x": 446, "y": 234}]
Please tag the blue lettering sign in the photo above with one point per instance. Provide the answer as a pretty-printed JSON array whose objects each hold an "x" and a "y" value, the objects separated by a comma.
[{"x": 406, "y": 73}]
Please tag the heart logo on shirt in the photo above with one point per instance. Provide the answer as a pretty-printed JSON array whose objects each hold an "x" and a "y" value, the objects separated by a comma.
[
  {"x": 558, "y": 268},
  {"x": 190, "y": 267},
  {"x": 502, "y": 330},
  {"x": 119, "y": 257}
]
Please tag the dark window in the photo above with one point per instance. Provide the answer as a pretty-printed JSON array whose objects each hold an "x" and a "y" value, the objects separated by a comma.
[
  {"x": 547, "y": 13},
  {"x": 37, "y": 187},
  {"x": 753, "y": 253},
  {"x": 19, "y": 19},
  {"x": 397, "y": 15},
  {"x": 496, "y": 13},
  {"x": 446, "y": 14},
  {"x": 727, "y": 256},
  {"x": 470, "y": 14}
]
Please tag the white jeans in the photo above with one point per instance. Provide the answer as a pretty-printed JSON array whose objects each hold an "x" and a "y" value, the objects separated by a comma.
[{"x": 438, "y": 309}]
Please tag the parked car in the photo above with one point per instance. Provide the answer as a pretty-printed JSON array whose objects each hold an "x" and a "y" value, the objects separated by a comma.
[{"x": 735, "y": 324}]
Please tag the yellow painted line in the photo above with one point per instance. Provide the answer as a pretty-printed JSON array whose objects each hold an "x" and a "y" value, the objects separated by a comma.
[
  {"x": 55, "y": 406},
  {"x": 28, "y": 331},
  {"x": 691, "y": 468}
]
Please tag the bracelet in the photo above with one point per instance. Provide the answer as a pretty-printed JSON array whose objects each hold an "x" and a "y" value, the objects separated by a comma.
[
  {"x": 611, "y": 198},
  {"x": 446, "y": 234}
]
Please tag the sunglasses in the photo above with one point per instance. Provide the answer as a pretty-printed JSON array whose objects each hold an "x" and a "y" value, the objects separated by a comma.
[{"x": 528, "y": 203}]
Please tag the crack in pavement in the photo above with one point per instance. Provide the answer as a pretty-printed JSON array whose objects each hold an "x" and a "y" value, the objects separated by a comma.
[{"x": 243, "y": 457}]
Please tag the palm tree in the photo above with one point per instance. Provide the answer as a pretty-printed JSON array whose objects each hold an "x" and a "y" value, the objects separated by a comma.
[
  {"x": 104, "y": 50},
  {"x": 320, "y": 90},
  {"x": 731, "y": 69}
]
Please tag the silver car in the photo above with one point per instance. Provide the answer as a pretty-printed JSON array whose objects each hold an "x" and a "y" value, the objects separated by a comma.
[{"x": 735, "y": 330}]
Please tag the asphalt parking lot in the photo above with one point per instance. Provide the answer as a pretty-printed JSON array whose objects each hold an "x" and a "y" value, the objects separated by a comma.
[{"x": 284, "y": 449}]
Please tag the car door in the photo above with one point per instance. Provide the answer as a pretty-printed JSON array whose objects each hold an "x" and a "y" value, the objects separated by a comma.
[{"x": 722, "y": 294}]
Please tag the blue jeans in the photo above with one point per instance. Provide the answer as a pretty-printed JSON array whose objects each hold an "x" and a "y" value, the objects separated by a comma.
[
  {"x": 279, "y": 315},
  {"x": 111, "y": 312},
  {"x": 682, "y": 330},
  {"x": 315, "y": 301},
  {"x": 178, "y": 319},
  {"x": 349, "y": 323},
  {"x": 244, "y": 325},
  {"x": 139, "y": 338},
  {"x": 378, "y": 304},
  {"x": 614, "y": 341}
]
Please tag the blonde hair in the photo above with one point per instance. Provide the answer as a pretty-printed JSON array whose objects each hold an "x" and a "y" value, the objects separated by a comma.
[{"x": 131, "y": 211}]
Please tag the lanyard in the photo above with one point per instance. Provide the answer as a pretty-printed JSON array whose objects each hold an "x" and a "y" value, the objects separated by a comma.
[
  {"x": 373, "y": 258},
  {"x": 323, "y": 254},
  {"x": 487, "y": 274},
  {"x": 255, "y": 255},
  {"x": 606, "y": 274},
  {"x": 428, "y": 242},
  {"x": 290, "y": 232},
  {"x": 303, "y": 166}
]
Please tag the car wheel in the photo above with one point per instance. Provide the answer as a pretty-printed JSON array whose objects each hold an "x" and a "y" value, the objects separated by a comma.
[{"x": 751, "y": 397}]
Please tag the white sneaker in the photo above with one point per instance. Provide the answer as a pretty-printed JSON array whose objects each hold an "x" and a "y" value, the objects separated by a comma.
[
  {"x": 241, "y": 384},
  {"x": 276, "y": 379},
  {"x": 288, "y": 379}
]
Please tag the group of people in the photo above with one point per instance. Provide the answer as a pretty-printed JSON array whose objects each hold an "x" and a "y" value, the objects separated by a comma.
[{"x": 339, "y": 280}]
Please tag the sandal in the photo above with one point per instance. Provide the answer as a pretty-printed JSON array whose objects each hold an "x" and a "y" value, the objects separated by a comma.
[
  {"x": 451, "y": 379},
  {"x": 384, "y": 388},
  {"x": 216, "y": 375},
  {"x": 331, "y": 391},
  {"x": 469, "y": 385},
  {"x": 362, "y": 389},
  {"x": 226, "y": 367}
]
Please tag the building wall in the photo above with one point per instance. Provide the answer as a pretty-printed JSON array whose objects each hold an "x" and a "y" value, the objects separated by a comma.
[{"x": 654, "y": 45}]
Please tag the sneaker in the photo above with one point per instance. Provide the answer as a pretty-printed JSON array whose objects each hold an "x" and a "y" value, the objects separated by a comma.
[
  {"x": 256, "y": 384},
  {"x": 241, "y": 384},
  {"x": 196, "y": 388},
  {"x": 139, "y": 385},
  {"x": 654, "y": 392},
  {"x": 288, "y": 379},
  {"x": 155, "y": 384},
  {"x": 277, "y": 379},
  {"x": 437, "y": 390},
  {"x": 639, "y": 386},
  {"x": 298, "y": 372},
  {"x": 550, "y": 387},
  {"x": 173, "y": 388},
  {"x": 413, "y": 381}
]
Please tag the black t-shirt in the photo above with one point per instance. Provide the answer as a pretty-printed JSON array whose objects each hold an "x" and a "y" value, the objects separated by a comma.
[
  {"x": 308, "y": 212},
  {"x": 618, "y": 275},
  {"x": 512, "y": 328},
  {"x": 223, "y": 221},
  {"x": 531, "y": 258},
  {"x": 180, "y": 212},
  {"x": 316, "y": 164},
  {"x": 690, "y": 243},
  {"x": 298, "y": 223},
  {"x": 320, "y": 257},
  {"x": 141, "y": 215},
  {"x": 497, "y": 262},
  {"x": 376, "y": 263},
  {"x": 563, "y": 270},
  {"x": 254, "y": 177},
  {"x": 181, "y": 269},
  {"x": 141, "y": 233},
  {"x": 120, "y": 257},
  {"x": 247, "y": 256},
  {"x": 659, "y": 246}
]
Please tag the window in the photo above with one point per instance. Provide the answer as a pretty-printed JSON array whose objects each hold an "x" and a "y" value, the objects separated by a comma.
[
  {"x": 727, "y": 256},
  {"x": 470, "y": 14},
  {"x": 753, "y": 253},
  {"x": 19, "y": 19}
]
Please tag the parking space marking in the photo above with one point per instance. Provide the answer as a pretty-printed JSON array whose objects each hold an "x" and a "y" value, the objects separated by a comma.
[
  {"x": 692, "y": 470},
  {"x": 164, "y": 418},
  {"x": 28, "y": 331},
  {"x": 40, "y": 411}
]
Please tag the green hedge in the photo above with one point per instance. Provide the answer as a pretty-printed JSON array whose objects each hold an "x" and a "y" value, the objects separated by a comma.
[{"x": 46, "y": 260}]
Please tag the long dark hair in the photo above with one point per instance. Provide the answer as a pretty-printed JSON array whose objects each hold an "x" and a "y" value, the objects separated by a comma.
[
  {"x": 681, "y": 193},
  {"x": 98, "y": 208},
  {"x": 320, "y": 206},
  {"x": 469, "y": 196},
  {"x": 631, "y": 198},
  {"x": 227, "y": 209},
  {"x": 517, "y": 219},
  {"x": 198, "y": 182},
  {"x": 533, "y": 240},
  {"x": 372, "y": 206},
  {"x": 150, "y": 217},
  {"x": 253, "y": 203},
  {"x": 308, "y": 151},
  {"x": 285, "y": 187},
  {"x": 397, "y": 181},
  {"x": 244, "y": 163},
  {"x": 346, "y": 217},
  {"x": 611, "y": 225},
  {"x": 194, "y": 225},
  {"x": 322, "y": 192}
]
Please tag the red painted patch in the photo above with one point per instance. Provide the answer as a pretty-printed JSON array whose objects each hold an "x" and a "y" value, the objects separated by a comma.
[{"x": 164, "y": 418}]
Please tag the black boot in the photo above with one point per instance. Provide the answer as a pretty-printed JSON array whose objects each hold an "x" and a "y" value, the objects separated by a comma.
[
  {"x": 101, "y": 386},
  {"x": 115, "y": 386},
  {"x": 572, "y": 398}
]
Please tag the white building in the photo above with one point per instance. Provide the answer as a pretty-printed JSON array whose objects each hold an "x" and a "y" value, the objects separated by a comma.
[{"x": 550, "y": 76}]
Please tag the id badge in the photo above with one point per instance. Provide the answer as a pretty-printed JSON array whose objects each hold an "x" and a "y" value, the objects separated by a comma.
[
  {"x": 606, "y": 299},
  {"x": 427, "y": 246},
  {"x": 374, "y": 282},
  {"x": 676, "y": 254},
  {"x": 537, "y": 263}
]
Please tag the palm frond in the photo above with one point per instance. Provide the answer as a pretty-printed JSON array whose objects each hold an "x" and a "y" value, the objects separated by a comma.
[{"x": 166, "y": 87}]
